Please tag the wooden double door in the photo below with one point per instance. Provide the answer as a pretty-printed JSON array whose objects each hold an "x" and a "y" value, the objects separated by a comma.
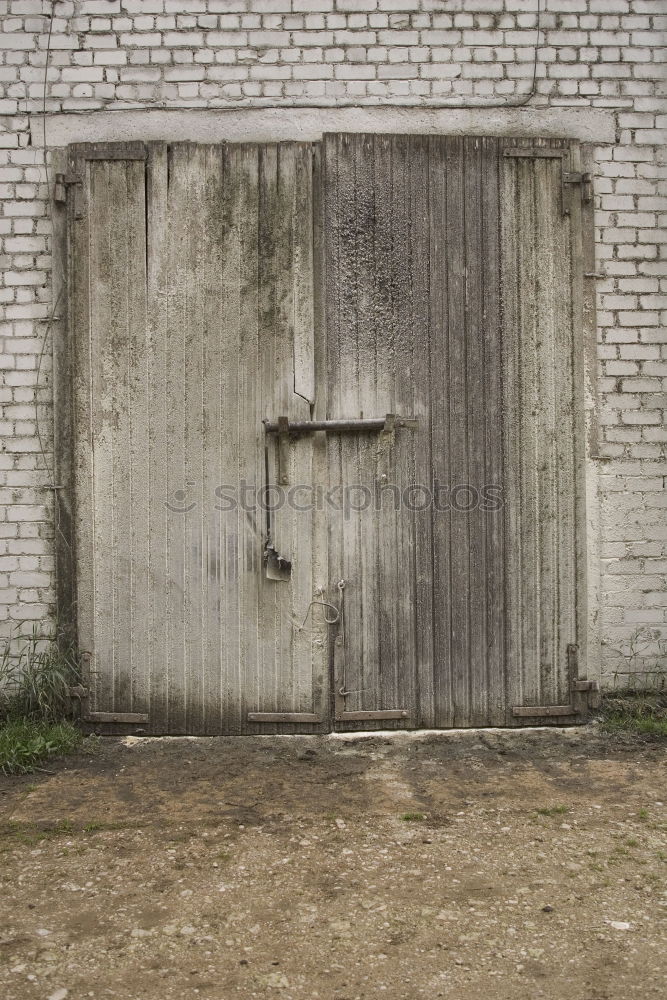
[{"x": 326, "y": 413}]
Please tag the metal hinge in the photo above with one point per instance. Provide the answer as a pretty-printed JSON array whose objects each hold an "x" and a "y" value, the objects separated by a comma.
[
  {"x": 62, "y": 182},
  {"x": 124, "y": 718},
  {"x": 584, "y": 694},
  {"x": 584, "y": 180},
  {"x": 292, "y": 717}
]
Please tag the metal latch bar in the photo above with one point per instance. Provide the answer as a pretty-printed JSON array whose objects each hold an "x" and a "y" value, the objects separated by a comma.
[
  {"x": 121, "y": 717},
  {"x": 392, "y": 713},
  {"x": 283, "y": 425},
  {"x": 536, "y": 711},
  {"x": 293, "y": 717}
]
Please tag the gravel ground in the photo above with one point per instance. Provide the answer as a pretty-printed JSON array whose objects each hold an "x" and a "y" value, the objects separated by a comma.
[{"x": 489, "y": 864}]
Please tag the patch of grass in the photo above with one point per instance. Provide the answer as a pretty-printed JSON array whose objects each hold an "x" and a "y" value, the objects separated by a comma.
[
  {"x": 553, "y": 811},
  {"x": 413, "y": 817},
  {"x": 93, "y": 826},
  {"x": 30, "y": 834},
  {"x": 36, "y": 673},
  {"x": 641, "y": 712},
  {"x": 101, "y": 826},
  {"x": 25, "y": 743}
]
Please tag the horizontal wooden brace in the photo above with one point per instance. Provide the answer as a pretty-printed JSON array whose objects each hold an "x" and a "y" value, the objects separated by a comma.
[
  {"x": 283, "y": 717},
  {"x": 109, "y": 151},
  {"x": 121, "y": 717},
  {"x": 535, "y": 711},
  {"x": 535, "y": 151}
]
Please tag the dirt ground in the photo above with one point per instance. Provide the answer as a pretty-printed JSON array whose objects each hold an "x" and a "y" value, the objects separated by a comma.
[{"x": 489, "y": 865}]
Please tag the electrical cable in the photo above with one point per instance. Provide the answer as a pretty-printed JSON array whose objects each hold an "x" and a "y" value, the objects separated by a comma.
[{"x": 452, "y": 104}]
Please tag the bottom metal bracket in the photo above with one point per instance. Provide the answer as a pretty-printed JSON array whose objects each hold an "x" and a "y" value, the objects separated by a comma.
[{"x": 293, "y": 717}]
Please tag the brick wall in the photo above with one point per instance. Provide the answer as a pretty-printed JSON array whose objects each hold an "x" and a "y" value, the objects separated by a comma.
[{"x": 249, "y": 53}]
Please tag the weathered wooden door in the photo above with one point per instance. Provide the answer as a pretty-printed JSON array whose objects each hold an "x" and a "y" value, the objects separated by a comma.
[
  {"x": 192, "y": 307},
  {"x": 239, "y": 570},
  {"x": 453, "y": 298}
]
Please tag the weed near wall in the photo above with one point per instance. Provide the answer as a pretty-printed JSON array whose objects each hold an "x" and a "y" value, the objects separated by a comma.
[{"x": 36, "y": 673}]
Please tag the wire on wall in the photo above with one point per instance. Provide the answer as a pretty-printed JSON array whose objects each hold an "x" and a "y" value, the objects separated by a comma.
[{"x": 333, "y": 105}]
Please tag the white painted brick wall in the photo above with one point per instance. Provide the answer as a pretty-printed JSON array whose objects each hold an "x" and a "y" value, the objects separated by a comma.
[{"x": 249, "y": 53}]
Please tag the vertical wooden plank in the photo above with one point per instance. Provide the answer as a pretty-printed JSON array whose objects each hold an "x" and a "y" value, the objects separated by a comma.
[
  {"x": 545, "y": 387},
  {"x": 566, "y": 433},
  {"x": 302, "y": 274},
  {"x": 476, "y": 402},
  {"x": 493, "y": 515},
  {"x": 398, "y": 357},
  {"x": 306, "y": 644},
  {"x": 346, "y": 213},
  {"x": 238, "y": 375},
  {"x": 158, "y": 444},
  {"x": 106, "y": 322},
  {"x": 440, "y": 433},
  {"x": 211, "y": 237},
  {"x": 136, "y": 514},
  {"x": 248, "y": 407},
  {"x": 511, "y": 283},
  {"x": 367, "y": 617},
  {"x": 321, "y": 632},
  {"x": 418, "y": 444},
  {"x": 180, "y": 491},
  {"x": 586, "y": 417},
  {"x": 383, "y": 335},
  {"x": 457, "y": 388},
  {"x": 195, "y": 407}
]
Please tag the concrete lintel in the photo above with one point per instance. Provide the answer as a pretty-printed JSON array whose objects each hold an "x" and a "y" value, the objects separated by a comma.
[{"x": 591, "y": 125}]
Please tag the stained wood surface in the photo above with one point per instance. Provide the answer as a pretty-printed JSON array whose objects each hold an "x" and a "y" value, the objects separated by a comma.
[
  {"x": 193, "y": 313},
  {"x": 454, "y": 615}
]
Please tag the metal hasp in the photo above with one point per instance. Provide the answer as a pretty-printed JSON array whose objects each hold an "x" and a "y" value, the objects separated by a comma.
[
  {"x": 284, "y": 429},
  {"x": 584, "y": 695},
  {"x": 339, "y": 426}
]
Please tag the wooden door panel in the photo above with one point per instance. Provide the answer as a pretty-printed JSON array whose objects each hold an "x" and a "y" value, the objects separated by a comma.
[
  {"x": 450, "y": 291},
  {"x": 192, "y": 310}
]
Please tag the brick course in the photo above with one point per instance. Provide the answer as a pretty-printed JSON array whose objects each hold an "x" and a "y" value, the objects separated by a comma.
[{"x": 250, "y": 53}]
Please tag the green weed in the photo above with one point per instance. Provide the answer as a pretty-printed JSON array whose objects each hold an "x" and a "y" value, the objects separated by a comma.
[{"x": 25, "y": 743}]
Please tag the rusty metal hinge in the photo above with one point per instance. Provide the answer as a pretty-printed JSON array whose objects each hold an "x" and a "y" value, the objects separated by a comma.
[
  {"x": 583, "y": 180},
  {"x": 291, "y": 717},
  {"x": 542, "y": 711},
  {"x": 584, "y": 694},
  {"x": 62, "y": 182},
  {"x": 120, "y": 717},
  {"x": 573, "y": 177}
]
